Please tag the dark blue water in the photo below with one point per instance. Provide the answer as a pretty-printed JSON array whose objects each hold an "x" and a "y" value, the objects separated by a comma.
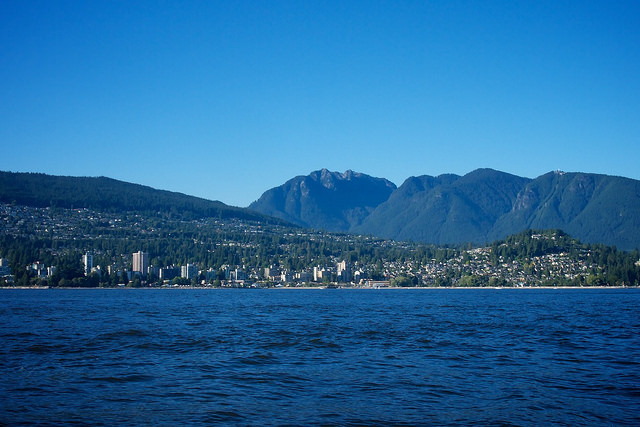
[{"x": 201, "y": 357}]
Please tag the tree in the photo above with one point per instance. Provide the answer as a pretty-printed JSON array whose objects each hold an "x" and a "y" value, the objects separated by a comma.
[
  {"x": 69, "y": 267},
  {"x": 135, "y": 282},
  {"x": 93, "y": 280},
  {"x": 181, "y": 281},
  {"x": 404, "y": 281}
]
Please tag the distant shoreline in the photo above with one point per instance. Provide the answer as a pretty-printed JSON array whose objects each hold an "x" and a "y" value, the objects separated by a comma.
[{"x": 323, "y": 288}]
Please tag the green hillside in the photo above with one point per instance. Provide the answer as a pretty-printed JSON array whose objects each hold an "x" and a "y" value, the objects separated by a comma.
[
  {"x": 594, "y": 208},
  {"x": 40, "y": 190},
  {"x": 446, "y": 209}
]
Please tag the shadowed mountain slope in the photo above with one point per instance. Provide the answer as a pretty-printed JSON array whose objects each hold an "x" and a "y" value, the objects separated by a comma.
[
  {"x": 327, "y": 200},
  {"x": 445, "y": 209},
  {"x": 594, "y": 208},
  {"x": 479, "y": 207}
]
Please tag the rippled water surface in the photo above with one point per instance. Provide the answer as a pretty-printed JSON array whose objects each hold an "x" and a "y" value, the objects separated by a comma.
[{"x": 201, "y": 357}]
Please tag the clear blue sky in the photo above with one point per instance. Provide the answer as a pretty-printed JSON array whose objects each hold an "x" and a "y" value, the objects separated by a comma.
[{"x": 226, "y": 99}]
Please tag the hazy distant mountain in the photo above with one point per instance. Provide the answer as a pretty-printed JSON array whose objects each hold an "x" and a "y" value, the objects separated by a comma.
[
  {"x": 40, "y": 190},
  {"x": 479, "y": 207},
  {"x": 327, "y": 200}
]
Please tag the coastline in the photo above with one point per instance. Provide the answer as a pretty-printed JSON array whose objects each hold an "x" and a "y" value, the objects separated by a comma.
[{"x": 324, "y": 288}]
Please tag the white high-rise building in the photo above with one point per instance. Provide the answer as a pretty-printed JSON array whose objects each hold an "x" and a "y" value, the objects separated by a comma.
[
  {"x": 344, "y": 271},
  {"x": 140, "y": 262},
  {"x": 87, "y": 260},
  {"x": 189, "y": 271}
]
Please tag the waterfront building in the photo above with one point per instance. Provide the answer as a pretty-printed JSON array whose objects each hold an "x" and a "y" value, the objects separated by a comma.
[
  {"x": 189, "y": 271},
  {"x": 271, "y": 273},
  {"x": 169, "y": 273},
  {"x": 321, "y": 274},
  {"x": 87, "y": 260},
  {"x": 344, "y": 271},
  {"x": 239, "y": 275},
  {"x": 153, "y": 270},
  {"x": 227, "y": 271},
  {"x": 140, "y": 262},
  {"x": 358, "y": 276},
  {"x": 286, "y": 277},
  {"x": 38, "y": 269},
  {"x": 304, "y": 276}
]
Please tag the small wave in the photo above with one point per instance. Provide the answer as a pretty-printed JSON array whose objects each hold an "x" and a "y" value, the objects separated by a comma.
[
  {"x": 20, "y": 335},
  {"x": 133, "y": 378},
  {"x": 118, "y": 335},
  {"x": 257, "y": 359},
  {"x": 223, "y": 417},
  {"x": 148, "y": 346},
  {"x": 130, "y": 333},
  {"x": 632, "y": 391},
  {"x": 187, "y": 345},
  {"x": 27, "y": 390},
  {"x": 320, "y": 343},
  {"x": 43, "y": 348}
]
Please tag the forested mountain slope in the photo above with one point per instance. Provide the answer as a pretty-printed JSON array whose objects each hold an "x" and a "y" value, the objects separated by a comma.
[
  {"x": 40, "y": 190},
  {"x": 594, "y": 208},
  {"x": 479, "y": 207},
  {"x": 445, "y": 209}
]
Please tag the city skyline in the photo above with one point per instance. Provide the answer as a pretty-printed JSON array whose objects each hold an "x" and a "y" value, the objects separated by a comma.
[{"x": 227, "y": 100}]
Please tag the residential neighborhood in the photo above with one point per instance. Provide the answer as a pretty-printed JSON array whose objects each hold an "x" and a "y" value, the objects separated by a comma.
[{"x": 273, "y": 256}]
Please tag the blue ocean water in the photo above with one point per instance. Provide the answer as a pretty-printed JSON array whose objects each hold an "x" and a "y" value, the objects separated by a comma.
[{"x": 331, "y": 357}]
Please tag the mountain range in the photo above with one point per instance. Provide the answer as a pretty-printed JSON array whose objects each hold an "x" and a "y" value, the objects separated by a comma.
[{"x": 481, "y": 206}]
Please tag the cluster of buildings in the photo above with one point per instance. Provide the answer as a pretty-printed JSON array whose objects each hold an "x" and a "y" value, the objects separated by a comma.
[
  {"x": 459, "y": 269},
  {"x": 546, "y": 269},
  {"x": 472, "y": 267},
  {"x": 227, "y": 275},
  {"x": 237, "y": 276},
  {"x": 340, "y": 273},
  {"x": 37, "y": 268}
]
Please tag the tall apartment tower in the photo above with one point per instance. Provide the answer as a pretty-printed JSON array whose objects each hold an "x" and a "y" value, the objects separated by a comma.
[
  {"x": 189, "y": 271},
  {"x": 87, "y": 260},
  {"x": 344, "y": 271},
  {"x": 140, "y": 262}
]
